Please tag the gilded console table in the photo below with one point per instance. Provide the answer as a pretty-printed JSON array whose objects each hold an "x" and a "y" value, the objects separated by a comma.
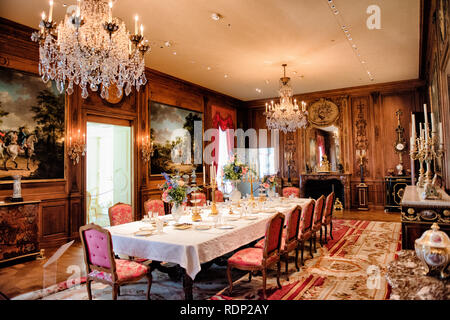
[
  {"x": 418, "y": 215},
  {"x": 19, "y": 230}
]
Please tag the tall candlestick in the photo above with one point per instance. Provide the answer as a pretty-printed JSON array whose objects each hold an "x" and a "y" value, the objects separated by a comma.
[
  {"x": 441, "y": 137},
  {"x": 142, "y": 30},
  {"x": 136, "y": 18},
  {"x": 433, "y": 125},
  {"x": 425, "y": 113},
  {"x": 50, "y": 11},
  {"x": 78, "y": 8},
  {"x": 413, "y": 126}
]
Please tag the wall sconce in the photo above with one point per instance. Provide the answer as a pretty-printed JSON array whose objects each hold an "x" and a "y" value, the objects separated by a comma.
[
  {"x": 147, "y": 149},
  {"x": 76, "y": 148}
]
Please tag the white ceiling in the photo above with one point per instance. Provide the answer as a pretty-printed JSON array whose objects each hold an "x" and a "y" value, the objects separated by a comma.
[{"x": 256, "y": 36}]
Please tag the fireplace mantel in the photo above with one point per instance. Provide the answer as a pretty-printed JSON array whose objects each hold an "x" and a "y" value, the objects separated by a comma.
[{"x": 343, "y": 177}]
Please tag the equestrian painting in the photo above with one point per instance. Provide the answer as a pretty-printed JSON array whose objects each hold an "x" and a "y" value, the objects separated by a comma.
[{"x": 32, "y": 122}]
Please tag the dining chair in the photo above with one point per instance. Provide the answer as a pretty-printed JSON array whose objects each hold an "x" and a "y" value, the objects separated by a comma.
[
  {"x": 288, "y": 191},
  {"x": 305, "y": 232},
  {"x": 328, "y": 215},
  {"x": 260, "y": 259},
  {"x": 101, "y": 266},
  {"x": 199, "y": 195},
  {"x": 218, "y": 196},
  {"x": 289, "y": 241},
  {"x": 317, "y": 220},
  {"x": 154, "y": 205},
  {"x": 120, "y": 213}
]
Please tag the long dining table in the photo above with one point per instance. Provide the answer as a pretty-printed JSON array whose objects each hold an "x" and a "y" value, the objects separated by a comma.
[{"x": 202, "y": 241}]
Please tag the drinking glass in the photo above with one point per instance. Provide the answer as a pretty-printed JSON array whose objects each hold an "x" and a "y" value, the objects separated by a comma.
[{"x": 159, "y": 225}]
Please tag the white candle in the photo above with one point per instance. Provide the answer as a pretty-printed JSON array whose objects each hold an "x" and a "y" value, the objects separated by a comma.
[
  {"x": 433, "y": 126},
  {"x": 142, "y": 30},
  {"x": 441, "y": 137},
  {"x": 110, "y": 12},
  {"x": 50, "y": 11},
  {"x": 78, "y": 8},
  {"x": 425, "y": 114},
  {"x": 136, "y": 18},
  {"x": 411, "y": 142},
  {"x": 413, "y": 125},
  {"x": 211, "y": 174},
  {"x": 204, "y": 177}
]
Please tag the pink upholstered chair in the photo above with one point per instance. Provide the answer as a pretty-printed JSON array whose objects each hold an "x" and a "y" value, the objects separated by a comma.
[
  {"x": 259, "y": 259},
  {"x": 219, "y": 195},
  {"x": 328, "y": 215},
  {"x": 101, "y": 265},
  {"x": 120, "y": 213},
  {"x": 201, "y": 196},
  {"x": 305, "y": 232},
  {"x": 317, "y": 220},
  {"x": 154, "y": 205},
  {"x": 289, "y": 241},
  {"x": 288, "y": 191}
]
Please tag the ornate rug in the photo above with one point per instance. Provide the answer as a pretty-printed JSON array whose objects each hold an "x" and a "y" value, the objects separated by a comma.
[{"x": 350, "y": 267}]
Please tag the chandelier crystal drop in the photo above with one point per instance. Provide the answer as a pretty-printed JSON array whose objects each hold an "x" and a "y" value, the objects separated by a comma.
[
  {"x": 92, "y": 49},
  {"x": 286, "y": 115}
]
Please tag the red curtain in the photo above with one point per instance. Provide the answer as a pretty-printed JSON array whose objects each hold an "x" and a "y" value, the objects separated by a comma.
[{"x": 223, "y": 119}]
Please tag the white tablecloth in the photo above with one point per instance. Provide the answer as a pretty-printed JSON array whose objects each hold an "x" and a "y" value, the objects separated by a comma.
[{"x": 189, "y": 248}]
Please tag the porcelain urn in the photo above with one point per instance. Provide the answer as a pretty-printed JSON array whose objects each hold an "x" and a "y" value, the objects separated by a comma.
[{"x": 433, "y": 249}]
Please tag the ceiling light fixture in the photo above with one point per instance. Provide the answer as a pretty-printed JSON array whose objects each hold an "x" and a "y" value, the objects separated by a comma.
[
  {"x": 216, "y": 16},
  {"x": 91, "y": 49},
  {"x": 286, "y": 115}
]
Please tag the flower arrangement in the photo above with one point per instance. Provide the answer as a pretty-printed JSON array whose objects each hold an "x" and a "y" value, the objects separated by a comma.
[
  {"x": 175, "y": 190},
  {"x": 234, "y": 170},
  {"x": 269, "y": 182}
]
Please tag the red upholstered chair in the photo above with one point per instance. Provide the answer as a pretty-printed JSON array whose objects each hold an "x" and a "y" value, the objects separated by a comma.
[
  {"x": 288, "y": 191},
  {"x": 101, "y": 265},
  {"x": 317, "y": 220},
  {"x": 305, "y": 232},
  {"x": 259, "y": 259},
  {"x": 154, "y": 205},
  {"x": 289, "y": 241},
  {"x": 201, "y": 196},
  {"x": 120, "y": 213},
  {"x": 218, "y": 195},
  {"x": 327, "y": 215}
]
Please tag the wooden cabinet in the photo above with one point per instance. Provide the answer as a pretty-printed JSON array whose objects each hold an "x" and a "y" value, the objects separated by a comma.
[
  {"x": 19, "y": 230},
  {"x": 418, "y": 215},
  {"x": 395, "y": 188}
]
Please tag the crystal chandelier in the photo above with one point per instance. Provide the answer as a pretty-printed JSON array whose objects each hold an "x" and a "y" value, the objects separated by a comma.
[
  {"x": 91, "y": 49},
  {"x": 286, "y": 116}
]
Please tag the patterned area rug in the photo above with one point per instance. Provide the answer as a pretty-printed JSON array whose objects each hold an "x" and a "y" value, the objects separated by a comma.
[{"x": 350, "y": 267}]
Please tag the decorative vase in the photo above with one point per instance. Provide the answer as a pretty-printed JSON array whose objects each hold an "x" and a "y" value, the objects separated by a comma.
[
  {"x": 433, "y": 249},
  {"x": 177, "y": 212},
  {"x": 235, "y": 195},
  {"x": 17, "y": 189}
]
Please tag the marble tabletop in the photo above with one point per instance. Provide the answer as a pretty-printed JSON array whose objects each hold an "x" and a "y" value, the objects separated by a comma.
[{"x": 408, "y": 282}]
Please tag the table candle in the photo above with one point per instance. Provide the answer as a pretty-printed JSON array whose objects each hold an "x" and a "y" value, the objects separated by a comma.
[
  {"x": 211, "y": 174},
  {"x": 136, "y": 18},
  {"x": 413, "y": 126},
  {"x": 441, "y": 137},
  {"x": 110, "y": 12},
  {"x": 142, "y": 30},
  {"x": 411, "y": 142},
  {"x": 78, "y": 8},
  {"x": 425, "y": 114},
  {"x": 50, "y": 11}
]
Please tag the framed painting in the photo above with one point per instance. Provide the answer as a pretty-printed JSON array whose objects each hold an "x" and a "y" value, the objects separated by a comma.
[
  {"x": 32, "y": 127},
  {"x": 174, "y": 135}
]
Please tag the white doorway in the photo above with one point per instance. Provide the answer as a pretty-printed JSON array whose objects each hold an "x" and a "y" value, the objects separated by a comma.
[{"x": 109, "y": 177}]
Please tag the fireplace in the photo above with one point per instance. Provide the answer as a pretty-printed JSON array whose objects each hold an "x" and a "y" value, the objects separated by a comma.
[{"x": 315, "y": 185}]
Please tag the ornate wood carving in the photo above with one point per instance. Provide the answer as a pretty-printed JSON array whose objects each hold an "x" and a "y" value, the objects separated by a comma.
[{"x": 361, "y": 140}]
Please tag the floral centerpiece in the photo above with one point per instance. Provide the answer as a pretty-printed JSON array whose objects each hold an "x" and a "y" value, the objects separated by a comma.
[
  {"x": 234, "y": 170},
  {"x": 175, "y": 192},
  {"x": 269, "y": 183}
]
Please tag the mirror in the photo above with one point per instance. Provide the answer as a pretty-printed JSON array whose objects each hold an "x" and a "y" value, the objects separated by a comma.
[{"x": 323, "y": 138}]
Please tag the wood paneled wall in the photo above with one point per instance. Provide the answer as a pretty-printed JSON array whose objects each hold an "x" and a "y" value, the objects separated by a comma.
[
  {"x": 63, "y": 201},
  {"x": 369, "y": 120}
]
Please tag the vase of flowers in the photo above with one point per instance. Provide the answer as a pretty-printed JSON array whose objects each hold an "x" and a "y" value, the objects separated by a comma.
[
  {"x": 269, "y": 183},
  {"x": 234, "y": 171},
  {"x": 175, "y": 192}
]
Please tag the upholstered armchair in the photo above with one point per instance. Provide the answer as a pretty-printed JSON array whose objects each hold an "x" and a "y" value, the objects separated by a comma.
[
  {"x": 305, "y": 232},
  {"x": 288, "y": 191},
  {"x": 289, "y": 241},
  {"x": 317, "y": 220},
  {"x": 201, "y": 196},
  {"x": 218, "y": 195},
  {"x": 328, "y": 215},
  {"x": 120, "y": 213},
  {"x": 101, "y": 266},
  {"x": 154, "y": 205},
  {"x": 260, "y": 259}
]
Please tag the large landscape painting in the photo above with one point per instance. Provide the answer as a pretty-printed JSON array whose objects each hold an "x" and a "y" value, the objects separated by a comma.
[
  {"x": 166, "y": 122},
  {"x": 32, "y": 122}
]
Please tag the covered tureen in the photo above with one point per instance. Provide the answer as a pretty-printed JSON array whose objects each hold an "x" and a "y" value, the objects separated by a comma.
[{"x": 433, "y": 249}]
